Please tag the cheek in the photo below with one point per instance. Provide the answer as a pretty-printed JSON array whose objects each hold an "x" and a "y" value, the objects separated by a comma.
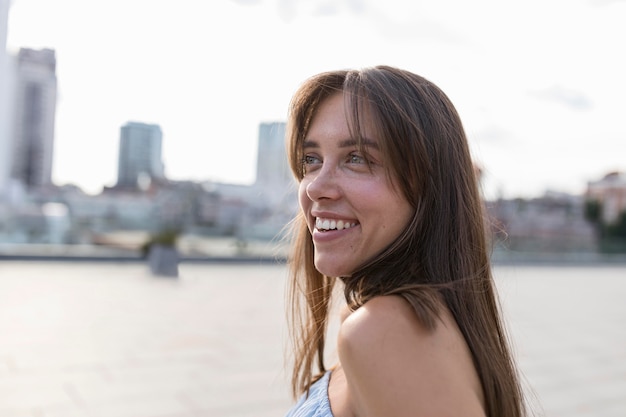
[
  {"x": 303, "y": 198},
  {"x": 400, "y": 215},
  {"x": 405, "y": 215}
]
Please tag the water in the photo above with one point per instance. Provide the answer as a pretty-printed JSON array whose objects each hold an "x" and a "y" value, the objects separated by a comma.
[{"x": 107, "y": 339}]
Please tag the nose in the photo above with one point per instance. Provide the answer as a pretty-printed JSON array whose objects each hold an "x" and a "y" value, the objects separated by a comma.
[{"x": 323, "y": 185}]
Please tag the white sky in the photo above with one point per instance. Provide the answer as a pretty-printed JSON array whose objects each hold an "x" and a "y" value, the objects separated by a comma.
[{"x": 539, "y": 84}]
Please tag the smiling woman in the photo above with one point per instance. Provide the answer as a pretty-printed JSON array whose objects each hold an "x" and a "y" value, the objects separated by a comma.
[
  {"x": 339, "y": 180},
  {"x": 390, "y": 210}
]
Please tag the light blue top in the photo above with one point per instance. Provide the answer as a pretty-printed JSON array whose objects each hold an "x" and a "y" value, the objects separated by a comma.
[{"x": 317, "y": 403}]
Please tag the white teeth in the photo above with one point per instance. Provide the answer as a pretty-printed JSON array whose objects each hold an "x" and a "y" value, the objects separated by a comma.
[{"x": 328, "y": 224}]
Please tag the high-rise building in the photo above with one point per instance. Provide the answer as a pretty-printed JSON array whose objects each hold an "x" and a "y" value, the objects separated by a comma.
[
  {"x": 274, "y": 179},
  {"x": 34, "y": 115},
  {"x": 5, "y": 97},
  {"x": 140, "y": 160},
  {"x": 272, "y": 166}
]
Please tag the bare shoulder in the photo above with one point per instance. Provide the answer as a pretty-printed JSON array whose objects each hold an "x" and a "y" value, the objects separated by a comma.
[
  {"x": 378, "y": 314},
  {"x": 394, "y": 365}
]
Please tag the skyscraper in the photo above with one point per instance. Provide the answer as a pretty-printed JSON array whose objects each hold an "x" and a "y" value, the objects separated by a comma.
[
  {"x": 140, "y": 155},
  {"x": 35, "y": 110},
  {"x": 272, "y": 168},
  {"x": 273, "y": 178},
  {"x": 5, "y": 97}
]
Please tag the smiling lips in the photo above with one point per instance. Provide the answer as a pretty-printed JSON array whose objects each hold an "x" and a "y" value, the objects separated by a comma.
[{"x": 331, "y": 224}]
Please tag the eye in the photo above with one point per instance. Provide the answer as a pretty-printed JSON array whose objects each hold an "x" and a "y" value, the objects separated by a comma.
[
  {"x": 355, "y": 158},
  {"x": 309, "y": 162},
  {"x": 310, "y": 159}
]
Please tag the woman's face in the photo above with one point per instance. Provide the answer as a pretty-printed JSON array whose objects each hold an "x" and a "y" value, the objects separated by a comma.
[{"x": 352, "y": 210}]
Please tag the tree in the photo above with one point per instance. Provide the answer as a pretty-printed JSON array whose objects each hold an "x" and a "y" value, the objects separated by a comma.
[{"x": 612, "y": 236}]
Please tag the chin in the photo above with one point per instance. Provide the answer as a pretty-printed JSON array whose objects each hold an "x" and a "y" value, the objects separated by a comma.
[{"x": 334, "y": 269}]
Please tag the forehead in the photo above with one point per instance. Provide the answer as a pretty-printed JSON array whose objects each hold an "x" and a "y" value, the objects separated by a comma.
[
  {"x": 343, "y": 121},
  {"x": 330, "y": 117}
]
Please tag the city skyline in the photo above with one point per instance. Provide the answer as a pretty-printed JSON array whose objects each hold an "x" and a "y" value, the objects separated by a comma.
[{"x": 537, "y": 85}]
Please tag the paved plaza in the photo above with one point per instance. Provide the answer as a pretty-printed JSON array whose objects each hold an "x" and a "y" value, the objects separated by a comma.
[{"x": 110, "y": 340}]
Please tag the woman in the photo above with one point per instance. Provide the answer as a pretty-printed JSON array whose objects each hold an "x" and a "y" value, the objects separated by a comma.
[{"x": 390, "y": 210}]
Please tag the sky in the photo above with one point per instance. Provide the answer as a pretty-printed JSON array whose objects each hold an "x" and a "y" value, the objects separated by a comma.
[{"x": 539, "y": 84}]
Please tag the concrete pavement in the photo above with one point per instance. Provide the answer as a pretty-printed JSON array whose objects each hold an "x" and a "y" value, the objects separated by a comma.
[{"x": 109, "y": 340}]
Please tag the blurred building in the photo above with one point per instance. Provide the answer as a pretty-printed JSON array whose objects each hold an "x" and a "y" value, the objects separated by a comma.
[
  {"x": 5, "y": 97},
  {"x": 140, "y": 162},
  {"x": 610, "y": 192},
  {"x": 272, "y": 167},
  {"x": 554, "y": 223},
  {"x": 34, "y": 115},
  {"x": 273, "y": 175},
  {"x": 145, "y": 202}
]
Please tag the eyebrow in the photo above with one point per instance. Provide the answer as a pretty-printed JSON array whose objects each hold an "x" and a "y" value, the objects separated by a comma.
[{"x": 347, "y": 143}]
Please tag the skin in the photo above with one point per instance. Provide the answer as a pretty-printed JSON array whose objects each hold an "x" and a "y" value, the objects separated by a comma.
[
  {"x": 340, "y": 186},
  {"x": 389, "y": 363}
]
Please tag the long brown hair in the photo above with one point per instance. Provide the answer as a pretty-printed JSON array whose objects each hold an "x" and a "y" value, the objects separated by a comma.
[{"x": 443, "y": 255}]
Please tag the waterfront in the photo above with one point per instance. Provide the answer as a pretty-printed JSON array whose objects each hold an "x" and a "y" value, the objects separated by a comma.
[{"x": 106, "y": 339}]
